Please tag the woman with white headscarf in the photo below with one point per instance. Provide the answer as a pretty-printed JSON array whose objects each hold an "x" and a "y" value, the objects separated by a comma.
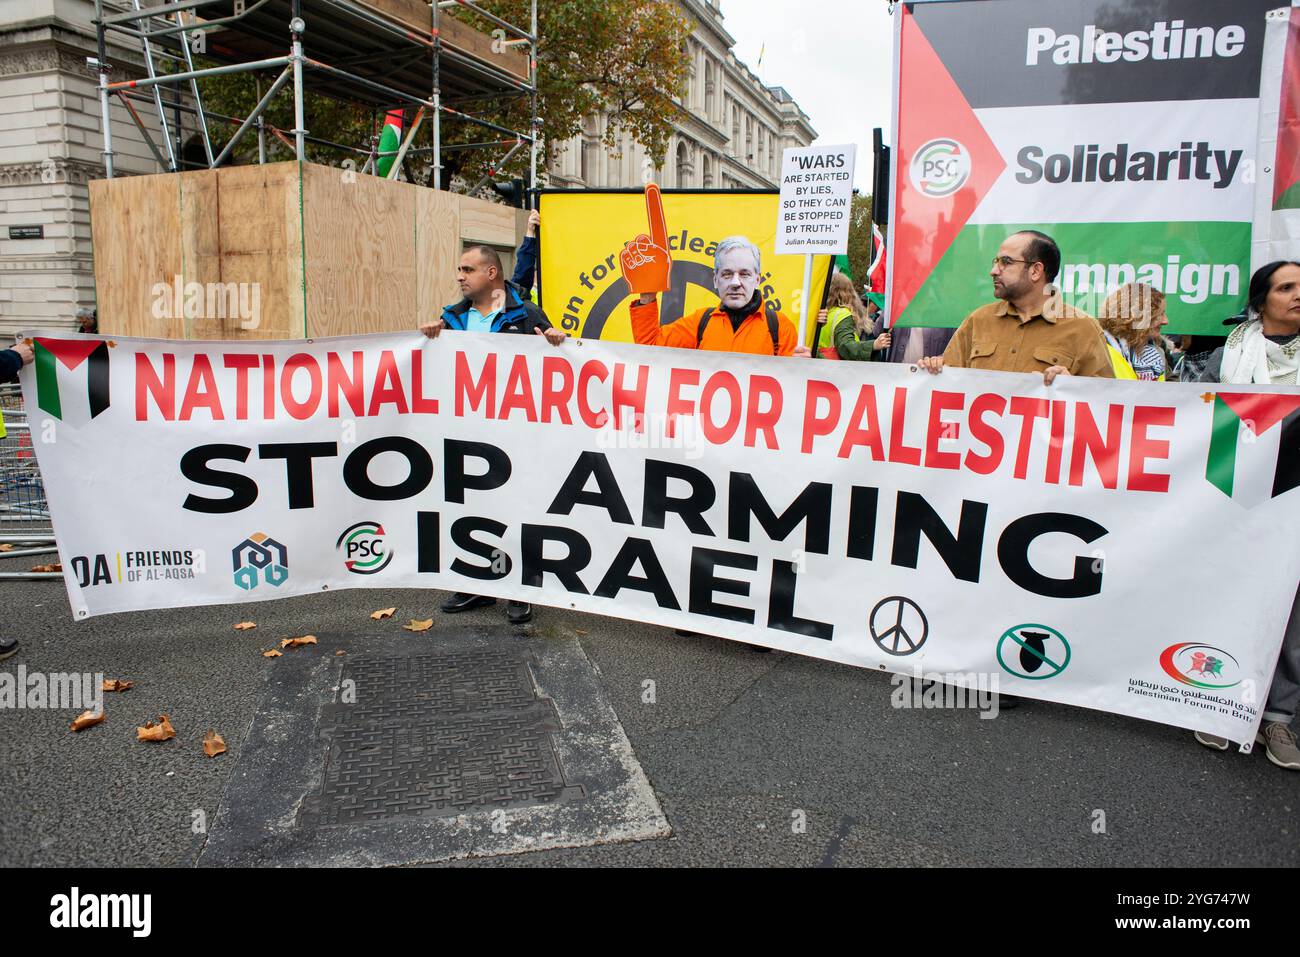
[{"x": 1265, "y": 350}]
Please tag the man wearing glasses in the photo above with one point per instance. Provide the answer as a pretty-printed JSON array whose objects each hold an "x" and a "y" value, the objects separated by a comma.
[
  {"x": 741, "y": 322},
  {"x": 1030, "y": 329}
]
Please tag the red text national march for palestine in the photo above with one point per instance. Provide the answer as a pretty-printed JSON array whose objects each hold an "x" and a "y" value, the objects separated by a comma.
[{"x": 1095, "y": 445}]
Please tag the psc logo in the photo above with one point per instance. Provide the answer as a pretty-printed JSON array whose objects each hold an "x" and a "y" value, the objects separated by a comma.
[
  {"x": 940, "y": 168},
  {"x": 365, "y": 551},
  {"x": 260, "y": 559},
  {"x": 1201, "y": 666}
]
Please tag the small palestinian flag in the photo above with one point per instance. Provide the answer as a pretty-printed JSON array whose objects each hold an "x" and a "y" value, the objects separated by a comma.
[
  {"x": 390, "y": 140},
  {"x": 876, "y": 271},
  {"x": 1254, "y": 445}
]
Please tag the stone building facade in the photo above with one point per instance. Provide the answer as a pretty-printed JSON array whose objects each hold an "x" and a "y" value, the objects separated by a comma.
[
  {"x": 50, "y": 148},
  {"x": 731, "y": 137}
]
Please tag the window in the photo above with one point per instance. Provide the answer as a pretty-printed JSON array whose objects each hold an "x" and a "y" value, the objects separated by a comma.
[
  {"x": 683, "y": 166},
  {"x": 590, "y": 161}
]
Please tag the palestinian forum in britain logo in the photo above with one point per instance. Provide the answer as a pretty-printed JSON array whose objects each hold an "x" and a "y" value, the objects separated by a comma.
[
  {"x": 260, "y": 559},
  {"x": 1201, "y": 666},
  {"x": 940, "y": 168},
  {"x": 364, "y": 549}
]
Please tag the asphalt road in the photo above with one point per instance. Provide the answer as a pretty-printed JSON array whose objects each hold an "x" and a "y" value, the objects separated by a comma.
[{"x": 740, "y": 748}]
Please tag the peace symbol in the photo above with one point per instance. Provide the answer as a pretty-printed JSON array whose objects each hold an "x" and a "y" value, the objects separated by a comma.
[{"x": 898, "y": 626}]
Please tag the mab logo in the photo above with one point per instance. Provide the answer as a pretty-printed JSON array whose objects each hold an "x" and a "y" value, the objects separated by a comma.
[{"x": 258, "y": 559}]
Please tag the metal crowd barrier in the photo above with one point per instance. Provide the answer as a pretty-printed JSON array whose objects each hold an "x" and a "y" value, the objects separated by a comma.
[{"x": 24, "y": 514}]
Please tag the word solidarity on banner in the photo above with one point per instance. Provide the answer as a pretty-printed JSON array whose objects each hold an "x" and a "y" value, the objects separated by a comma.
[{"x": 969, "y": 522}]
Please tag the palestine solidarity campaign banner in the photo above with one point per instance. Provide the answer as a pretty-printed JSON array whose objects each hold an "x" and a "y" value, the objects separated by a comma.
[
  {"x": 864, "y": 513},
  {"x": 1126, "y": 131}
]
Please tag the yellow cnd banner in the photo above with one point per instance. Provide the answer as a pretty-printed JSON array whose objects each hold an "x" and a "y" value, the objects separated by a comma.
[{"x": 583, "y": 232}]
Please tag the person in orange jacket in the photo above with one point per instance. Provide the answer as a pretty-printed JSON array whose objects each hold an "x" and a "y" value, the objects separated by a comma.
[{"x": 741, "y": 322}]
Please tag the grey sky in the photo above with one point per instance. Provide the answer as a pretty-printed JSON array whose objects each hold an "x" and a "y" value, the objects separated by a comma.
[{"x": 833, "y": 56}]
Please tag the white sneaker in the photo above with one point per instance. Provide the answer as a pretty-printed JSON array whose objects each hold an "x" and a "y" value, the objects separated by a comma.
[
  {"x": 1213, "y": 741},
  {"x": 1279, "y": 744}
]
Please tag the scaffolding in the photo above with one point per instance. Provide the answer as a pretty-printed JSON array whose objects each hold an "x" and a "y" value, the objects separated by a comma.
[{"x": 365, "y": 54}]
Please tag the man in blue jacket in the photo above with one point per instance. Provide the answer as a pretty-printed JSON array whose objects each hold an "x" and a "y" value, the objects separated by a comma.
[
  {"x": 11, "y": 360},
  {"x": 525, "y": 276},
  {"x": 490, "y": 304}
]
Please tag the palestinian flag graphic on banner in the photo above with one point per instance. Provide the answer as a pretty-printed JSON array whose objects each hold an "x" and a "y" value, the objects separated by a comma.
[
  {"x": 1254, "y": 445},
  {"x": 71, "y": 378}
]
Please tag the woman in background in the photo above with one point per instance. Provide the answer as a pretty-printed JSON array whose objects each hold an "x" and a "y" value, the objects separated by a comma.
[
  {"x": 1265, "y": 350},
  {"x": 846, "y": 329},
  {"x": 1132, "y": 317}
]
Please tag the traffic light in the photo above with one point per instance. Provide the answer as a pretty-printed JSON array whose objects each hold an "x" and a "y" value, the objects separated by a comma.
[{"x": 513, "y": 192}]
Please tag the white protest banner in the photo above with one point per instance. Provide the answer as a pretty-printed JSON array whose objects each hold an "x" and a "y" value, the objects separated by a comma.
[
  {"x": 816, "y": 198},
  {"x": 1117, "y": 545}
]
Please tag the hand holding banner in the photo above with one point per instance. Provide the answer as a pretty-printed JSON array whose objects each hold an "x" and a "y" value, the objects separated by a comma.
[{"x": 646, "y": 262}]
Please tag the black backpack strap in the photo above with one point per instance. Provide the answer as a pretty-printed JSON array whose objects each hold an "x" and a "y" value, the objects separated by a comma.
[
  {"x": 704, "y": 324},
  {"x": 773, "y": 327}
]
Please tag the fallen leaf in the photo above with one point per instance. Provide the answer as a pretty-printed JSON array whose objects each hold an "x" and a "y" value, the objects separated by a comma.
[
  {"x": 245, "y": 625},
  {"x": 115, "y": 684},
  {"x": 383, "y": 613},
  {"x": 213, "y": 744},
  {"x": 273, "y": 653},
  {"x": 48, "y": 568},
  {"x": 87, "y": 719},
  {"x": 6, "y": 547},
  {"x": 579, "y": 631},
  {"x": 298, "y": 642},
  {"x": 156, "y": 732},
  {"x": 339, "y": 654},
  {"x": 417, "y": 625}
]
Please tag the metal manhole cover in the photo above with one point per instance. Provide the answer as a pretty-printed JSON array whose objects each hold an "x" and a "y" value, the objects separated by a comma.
[
  {"x": 436, "y": 734},
  {"x": 469, "y": 742}
]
